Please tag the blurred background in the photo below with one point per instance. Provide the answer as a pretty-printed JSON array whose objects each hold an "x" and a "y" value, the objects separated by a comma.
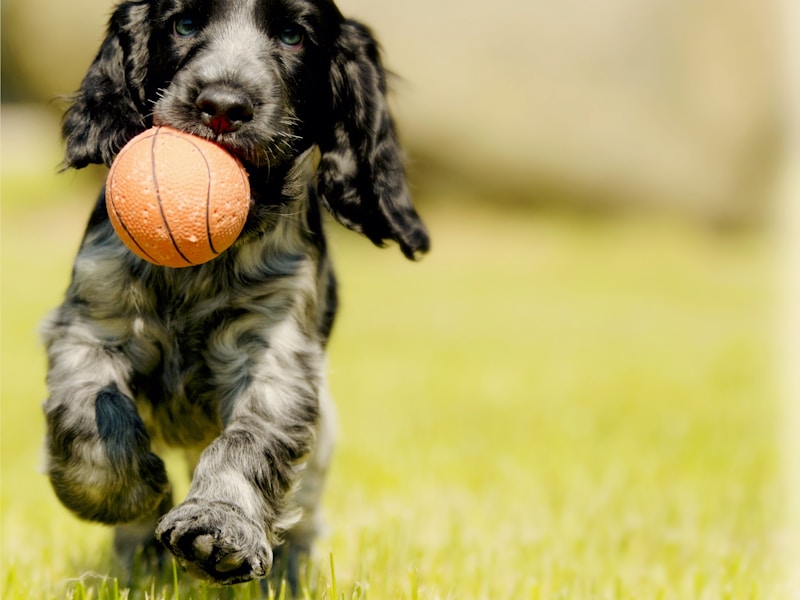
[
  {"x": 659, "y": 104},
  {"x": 578, "y": 384}
]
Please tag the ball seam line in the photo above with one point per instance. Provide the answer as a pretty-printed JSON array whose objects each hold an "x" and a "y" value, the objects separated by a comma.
[
  {"x": 158, "y": 197},
  {"x": 245, "y": 185},
  {"x": 208, "y": 193},
  {"x": 119, "y": 216}
]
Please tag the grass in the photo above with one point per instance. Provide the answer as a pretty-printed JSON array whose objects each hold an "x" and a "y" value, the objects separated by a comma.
[{"x": 545, "y": 407}]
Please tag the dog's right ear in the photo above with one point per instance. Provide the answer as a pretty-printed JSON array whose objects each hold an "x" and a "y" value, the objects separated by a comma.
[
  {"x": 110, "y": 106},
  {"x": 361, "y": 177}
]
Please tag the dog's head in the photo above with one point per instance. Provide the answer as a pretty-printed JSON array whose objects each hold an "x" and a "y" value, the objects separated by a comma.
[{"x": 267, "y": 79}]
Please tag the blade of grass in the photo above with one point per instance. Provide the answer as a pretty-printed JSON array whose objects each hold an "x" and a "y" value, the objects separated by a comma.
[{"x": 334, "y": 588}]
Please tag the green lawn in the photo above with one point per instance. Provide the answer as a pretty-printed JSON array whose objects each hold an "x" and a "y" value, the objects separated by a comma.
[{"x": 544, "y": 407}]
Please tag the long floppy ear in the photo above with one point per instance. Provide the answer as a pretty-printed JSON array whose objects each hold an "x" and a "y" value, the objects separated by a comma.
[
  {"x": 110, "y": 106},
  {"x": 361, "y": 176}
]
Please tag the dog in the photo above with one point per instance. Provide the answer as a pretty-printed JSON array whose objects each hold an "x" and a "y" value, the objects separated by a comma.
[{"x": 225, "y": 360}]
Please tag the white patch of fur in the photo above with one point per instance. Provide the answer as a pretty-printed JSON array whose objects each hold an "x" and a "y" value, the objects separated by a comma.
[{"x": 307, "y": 494}]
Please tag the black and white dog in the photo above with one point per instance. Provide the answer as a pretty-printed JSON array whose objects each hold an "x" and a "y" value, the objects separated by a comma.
[{"x": 224, "y": 359}]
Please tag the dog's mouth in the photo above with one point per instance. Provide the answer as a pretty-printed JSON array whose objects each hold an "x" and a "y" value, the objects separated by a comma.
[
  {"x": 228, "y": 140},
  {"x": 259, "y": 141}
]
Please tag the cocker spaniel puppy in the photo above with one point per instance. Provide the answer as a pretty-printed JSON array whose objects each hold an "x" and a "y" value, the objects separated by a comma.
[{"x": 225, "y": 359}]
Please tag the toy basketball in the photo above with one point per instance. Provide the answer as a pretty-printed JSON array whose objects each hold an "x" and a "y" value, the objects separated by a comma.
[{"x": 176, "y": 199}]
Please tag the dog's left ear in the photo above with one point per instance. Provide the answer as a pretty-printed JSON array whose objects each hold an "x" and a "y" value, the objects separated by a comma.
[
  {"x": 110, "y": 106},
  {"x": 361, "y": 176}
]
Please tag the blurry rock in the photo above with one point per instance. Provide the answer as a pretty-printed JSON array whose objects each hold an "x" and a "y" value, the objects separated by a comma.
[{"x": 650, "y": 103}]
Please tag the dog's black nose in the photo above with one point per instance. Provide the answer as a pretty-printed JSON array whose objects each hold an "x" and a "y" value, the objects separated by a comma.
[{"x": 223, "y": 109}]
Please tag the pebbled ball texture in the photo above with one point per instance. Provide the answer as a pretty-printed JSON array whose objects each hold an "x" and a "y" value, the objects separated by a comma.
[{"x": 176, "y": 199}]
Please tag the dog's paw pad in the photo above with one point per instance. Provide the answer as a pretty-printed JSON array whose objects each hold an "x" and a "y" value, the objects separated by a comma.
[
  {"x": 203, "y": 546},
  {"x": 216, "y": 542},
  {"x": 229, "y": 563}
]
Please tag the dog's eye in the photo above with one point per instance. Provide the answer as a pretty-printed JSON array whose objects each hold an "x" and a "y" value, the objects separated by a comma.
[
  {"x": 291, "y": 36},
  {"x": 186, "y": 26}
]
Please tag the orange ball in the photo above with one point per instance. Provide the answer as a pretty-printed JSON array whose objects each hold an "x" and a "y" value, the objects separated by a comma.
[{"x": 176, "y": 199}]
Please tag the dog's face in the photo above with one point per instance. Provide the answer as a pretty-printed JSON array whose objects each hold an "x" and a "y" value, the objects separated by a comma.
[
  {"x": 267, "y": 79},
  {"x": 253, "y": 75}
]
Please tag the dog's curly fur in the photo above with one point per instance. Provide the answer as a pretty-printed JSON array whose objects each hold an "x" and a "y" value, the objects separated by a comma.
[{"x": 224, "y": 359}]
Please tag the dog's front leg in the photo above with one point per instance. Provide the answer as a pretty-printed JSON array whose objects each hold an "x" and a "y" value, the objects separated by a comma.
[
  {"x": 98, "y": 451},
  {"x": 237, "y": 504}
]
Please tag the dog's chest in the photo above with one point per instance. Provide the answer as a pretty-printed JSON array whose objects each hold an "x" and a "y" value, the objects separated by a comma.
[
  {"x": 172, "y": 379},
  {"x": 182, "y": 345}
]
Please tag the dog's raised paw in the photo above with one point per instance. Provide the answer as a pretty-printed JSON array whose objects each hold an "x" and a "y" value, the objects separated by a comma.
[{"x": 216, "y": 542}]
